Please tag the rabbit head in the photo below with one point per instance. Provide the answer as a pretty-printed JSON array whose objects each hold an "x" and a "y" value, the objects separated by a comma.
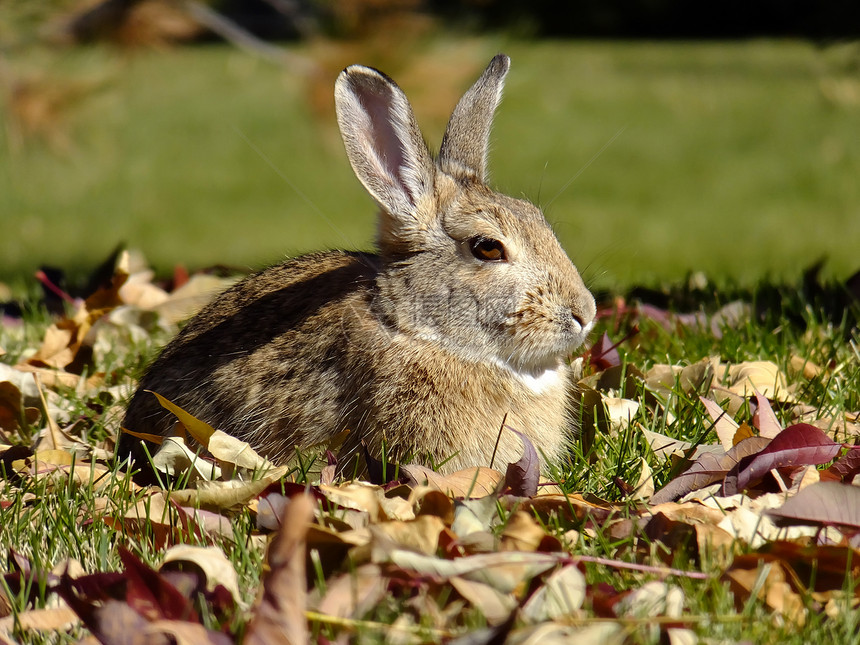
[{"x": 476, "y": 271}]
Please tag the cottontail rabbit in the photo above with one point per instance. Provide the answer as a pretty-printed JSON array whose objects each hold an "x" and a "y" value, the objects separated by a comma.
[{"x": 466, "y": 313}]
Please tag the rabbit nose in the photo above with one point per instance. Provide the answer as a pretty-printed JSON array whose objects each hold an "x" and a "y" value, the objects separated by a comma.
[{"x": 585, "y": 320}]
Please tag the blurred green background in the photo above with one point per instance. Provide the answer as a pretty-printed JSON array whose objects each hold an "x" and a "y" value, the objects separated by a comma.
[{"x": 652, "y": 159}]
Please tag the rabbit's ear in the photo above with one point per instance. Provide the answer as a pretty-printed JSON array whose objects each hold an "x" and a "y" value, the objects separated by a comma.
[
  {"x": 467, "y": 136},
  {"x": 382, "y": 139}
]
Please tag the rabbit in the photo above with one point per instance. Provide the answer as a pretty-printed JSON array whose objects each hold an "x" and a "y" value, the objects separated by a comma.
[{"x": 462, "y": 319}]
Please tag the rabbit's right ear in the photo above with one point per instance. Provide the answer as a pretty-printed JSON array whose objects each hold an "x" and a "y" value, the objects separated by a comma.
[{"x": 382, "y": 139}]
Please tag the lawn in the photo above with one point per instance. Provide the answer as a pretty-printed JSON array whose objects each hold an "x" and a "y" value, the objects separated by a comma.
[{"x": 651, "y": 159}]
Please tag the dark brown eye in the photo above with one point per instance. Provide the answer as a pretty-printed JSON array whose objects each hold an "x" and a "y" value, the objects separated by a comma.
[{"x": 487, "y": 250}]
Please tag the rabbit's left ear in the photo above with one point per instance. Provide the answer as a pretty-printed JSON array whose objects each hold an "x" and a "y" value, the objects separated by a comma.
[{"x": 467, "y": 137}]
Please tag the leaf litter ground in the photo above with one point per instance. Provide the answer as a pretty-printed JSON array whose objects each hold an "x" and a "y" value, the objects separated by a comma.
[{"x": 711, "y": 496}]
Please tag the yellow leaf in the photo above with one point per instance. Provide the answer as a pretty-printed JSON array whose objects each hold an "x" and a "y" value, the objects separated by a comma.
[
  {"x": 743, "y": 432},
  {"x": 200, "y": 430}
]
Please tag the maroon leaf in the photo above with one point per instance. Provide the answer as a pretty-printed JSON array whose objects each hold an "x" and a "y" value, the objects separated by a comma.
[
  {"x": 522, "y": 477},
  {"x": 846, "y": 467},
  {"x": 822, "y": 504},
  {"x": 798, "y": 445},
  {"x": 150, "y": 595},
  {"x": 708, "y": 469},
  {"x": 604, "y": 354}
]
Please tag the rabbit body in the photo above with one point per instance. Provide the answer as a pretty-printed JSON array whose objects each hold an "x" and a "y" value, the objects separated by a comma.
[{"x": 463, "y": 318}]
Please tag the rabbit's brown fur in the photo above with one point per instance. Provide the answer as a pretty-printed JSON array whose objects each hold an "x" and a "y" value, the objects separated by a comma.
[{"x": 425, "y": 346}]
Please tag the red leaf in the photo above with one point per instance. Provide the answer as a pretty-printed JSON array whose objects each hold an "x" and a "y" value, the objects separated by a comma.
[
  {"x": 522, "y": 477},
  {"x": 604, "y": 354},
  {"x": 822, "y": 504},
  {"x": 150, "y": 595},
  {"x": 708, "y": 469},
  {"x": 846, "y": 467},
  {"x": 798, "y": 445}
]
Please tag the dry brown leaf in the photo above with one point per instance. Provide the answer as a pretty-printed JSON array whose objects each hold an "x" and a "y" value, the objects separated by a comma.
[
  {"x": 210, "y": 561},
  {"x": 471, "y": 482},
  {"x": 58, "y": 347},
  {"x": 644, "y": 487},
  {"x": 11, "y": 407},
  {"x": 474, "y": 515},
  {"x": 228, "y": 495},
  {"x": 725, "y": 427},
  {"x": 744, "y": 379},
  {"x": 191, "y": 297},
  {"x": 504, "y": 571},
  {"x": 561, "y": 595},
  {"x": 39, "y": 620},
  {"x": 771, "y": 580},
  {"x": 429, "y": 501},
  {"x": 420, "y": 535},
  {"x": 353, "y": 594},
  {"x": 714, "y": 545},
  {"x": 495, "y": 606},
  {"x": 279, "y": 613},
  {"x": 55, "y": 378},
  {"x": 804, "y": 367},
  {"x": 522, "y": 533},
  {"x": 606, "y": 633},
  {"x": 360, "y": 496},
  {"x": 652, "y": 599},
  {"x": 619, "y": 412},
  {"x": 227, "y": 449},
  {"x": 174, "y": 458}
]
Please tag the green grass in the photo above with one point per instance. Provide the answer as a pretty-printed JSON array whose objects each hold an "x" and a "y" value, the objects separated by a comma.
[{"x": 732, "y": 158}]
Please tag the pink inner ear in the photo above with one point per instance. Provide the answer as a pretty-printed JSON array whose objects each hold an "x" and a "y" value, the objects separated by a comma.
[{"x": 383, "y": 137}]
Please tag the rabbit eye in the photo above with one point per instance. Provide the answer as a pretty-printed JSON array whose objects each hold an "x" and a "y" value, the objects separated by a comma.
[{"x": 487, "y": 250}]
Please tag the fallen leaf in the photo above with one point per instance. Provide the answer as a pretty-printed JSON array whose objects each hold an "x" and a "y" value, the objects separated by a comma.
[
  {"x": 523, "y": 476},
  {"x": 200, "y": 430},
  {"x": 744, "y": 379},
  {"x": 604, "y": 353},
  {"x": 522, "y": 533},
  {"x": 765, "y": 419},
  {"x": 797, "y": 445},
  {"x": 652, "y": 599},
  {"x": 724, "y": 425},
  {"x": 562, "y": 594},
  {"x": 279, "y": 613},
  {"x": 503, "y": 571},
  {"x": 420, "y": 535},
  {"x": 644, "y": 487},
  {"x": 826, "y": 503},
  {"x": 847, "y": 467},
  {"x": 495, "y": 606},
  {"x": 55, "y": 619},
  {"x": 210, "y": 561},
  {"x": 471, "y": 482},
  {"x": 804, "y": 367},
  {"x": 769, "y": 581},
  {"x": 355, "y": 593},
  {"x": 620, "y": 411},
  {"x": 708, "y": 469}
]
